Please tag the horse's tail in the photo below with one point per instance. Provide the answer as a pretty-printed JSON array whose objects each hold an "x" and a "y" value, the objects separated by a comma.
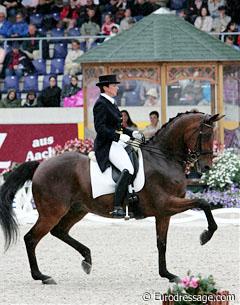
[{"x": 13, "y": 183}]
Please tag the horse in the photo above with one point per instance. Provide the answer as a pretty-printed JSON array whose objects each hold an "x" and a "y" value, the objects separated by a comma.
[{"x": 62, "y": 190}]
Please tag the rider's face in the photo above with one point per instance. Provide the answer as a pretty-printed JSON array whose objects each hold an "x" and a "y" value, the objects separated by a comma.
[{"x": 111, "y": 90}]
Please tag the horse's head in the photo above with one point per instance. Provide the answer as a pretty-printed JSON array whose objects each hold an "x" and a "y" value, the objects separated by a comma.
[{"x": 199, "y": 140}]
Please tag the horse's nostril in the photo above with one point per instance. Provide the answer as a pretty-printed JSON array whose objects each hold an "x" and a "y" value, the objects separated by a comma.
[{"x": 206, "y": 168}]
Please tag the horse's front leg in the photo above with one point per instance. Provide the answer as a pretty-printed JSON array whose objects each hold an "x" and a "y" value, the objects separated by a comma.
[
  {"x": 162, "y": 224},
  {"x": 177, "y": 205}
]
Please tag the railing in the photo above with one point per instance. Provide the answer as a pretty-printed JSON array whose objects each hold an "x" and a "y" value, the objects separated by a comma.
[
  {"x": 83, "y": 38},
  {"x": 222, "y": 35},
  {"x": 50, "y": 39}
]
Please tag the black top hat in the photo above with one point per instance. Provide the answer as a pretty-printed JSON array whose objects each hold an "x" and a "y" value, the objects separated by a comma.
[{"x": 107, "y": 79}]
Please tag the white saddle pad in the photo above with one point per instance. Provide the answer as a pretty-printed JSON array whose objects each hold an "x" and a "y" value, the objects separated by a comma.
[{"x": 103, "y": 184}]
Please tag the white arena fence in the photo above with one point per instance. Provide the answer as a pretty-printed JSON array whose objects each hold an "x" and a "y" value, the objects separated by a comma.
[{"x": 27, "y": 214}]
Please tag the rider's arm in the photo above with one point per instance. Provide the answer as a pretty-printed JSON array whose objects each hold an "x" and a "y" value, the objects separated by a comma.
[{"x": 100, "y": 124}]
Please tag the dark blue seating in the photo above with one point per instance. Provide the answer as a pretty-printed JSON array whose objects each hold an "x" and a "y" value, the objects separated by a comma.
[
  {"x": 42, "y": 31},
  {"x": 56, "y": 16},
  {"x": 56, "y": 32},
  {"x": 60, "y": 50},
  {"x": 66, "y": 80},
  {"x": 73, "y": 32},
  {"x": 11, "y": 82},
  {"x": 36, "y": 19},
  {"x": 57, "y": 66},
  {"x": 40, "y": 66},
  {"x": 30, "y": 83}
]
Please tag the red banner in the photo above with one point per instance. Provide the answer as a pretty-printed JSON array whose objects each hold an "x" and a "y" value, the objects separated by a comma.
[{"x": 20, "y": 143}]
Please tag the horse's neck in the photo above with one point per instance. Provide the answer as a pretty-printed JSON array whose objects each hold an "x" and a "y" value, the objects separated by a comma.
[{"x": 171, "y": 140}]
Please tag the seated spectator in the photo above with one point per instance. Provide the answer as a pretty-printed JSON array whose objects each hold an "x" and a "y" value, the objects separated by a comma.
[
  {"x": 194, "y": 8},
  {"x": 152, "y": 98},
  {"x": 17, "y": 62},
  {"x": 31, "y": 100},
  {"x": 130, "y": 93},
  {"x": 12, "y": 7},
  {"x": 229, "y": 41},
  {"x": 5, "y": 25},
  {"x": 154, "y": 126},
  {"x": 19, "y": 28},
  {"x": 31, "y": 47},
  {"x": 2, "y": 56},
  {"x": 110, "y": 8},
  {"x": 213, "y": 6},
  {"x": 128, "y": 21},
  {"x": 45, "y": 6},
  {"x": 220, "y": 23},
  {"x": 72, "y": 65},
  {"x": 91, "y": 28},
  {"x": 114, "y": 32},
  {"x": 139, "y": 9},
  {"x": 69, "y": 12},
  {"x": 204, "y": 22},
  {"x": 29, "y": 6},
  {"x": 50, "y": 96},
  {"x": 107, "y": 25},
  {"x": 3, "y": 10},
  {"x": 232, "y": 28},
  {"x": 70, "y": 90},
  {"x": 127, "y": 121},
  {"x": 151, "y": 6},
  {"x": 91, "y": 5},
  {"x": 177, "y": 5},
  {"x": 11, "y": 101}
]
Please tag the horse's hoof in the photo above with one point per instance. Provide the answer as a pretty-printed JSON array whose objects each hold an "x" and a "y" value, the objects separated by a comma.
[
  {"x": 86, "y": 267},
  {"x": 49, "y": 281},
  {"x": 204, "y": 237},
  {"x": 175, "y": 279}
]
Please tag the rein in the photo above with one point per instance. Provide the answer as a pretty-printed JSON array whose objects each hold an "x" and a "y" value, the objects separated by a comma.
[{"x": 191, "y": 157}]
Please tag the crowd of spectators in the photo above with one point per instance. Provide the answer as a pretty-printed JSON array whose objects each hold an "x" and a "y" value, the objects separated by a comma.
[{"x": 56, "y": 18}]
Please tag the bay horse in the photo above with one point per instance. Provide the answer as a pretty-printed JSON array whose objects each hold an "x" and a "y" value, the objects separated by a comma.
[{"x": 62, "y": 190}]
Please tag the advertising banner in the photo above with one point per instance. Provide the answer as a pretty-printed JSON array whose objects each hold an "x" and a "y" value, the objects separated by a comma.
[{"x": 27, "y": 142}]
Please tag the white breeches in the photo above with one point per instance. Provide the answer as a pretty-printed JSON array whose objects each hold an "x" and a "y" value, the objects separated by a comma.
[{"x": 119, "y": 157}]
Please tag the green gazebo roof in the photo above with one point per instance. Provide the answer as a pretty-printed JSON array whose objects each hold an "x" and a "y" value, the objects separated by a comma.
[{"x": 161, "y": 38}]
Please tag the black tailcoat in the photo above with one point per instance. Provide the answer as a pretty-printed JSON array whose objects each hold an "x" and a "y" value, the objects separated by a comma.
[{"x": 107, "y": 120}]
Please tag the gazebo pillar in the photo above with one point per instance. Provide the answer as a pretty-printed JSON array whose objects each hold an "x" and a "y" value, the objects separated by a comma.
[
  {"x": 163, "y": 94},
  {"x": 220, "y": 106}
]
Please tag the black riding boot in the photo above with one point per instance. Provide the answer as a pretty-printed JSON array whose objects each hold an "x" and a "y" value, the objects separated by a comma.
[{"x": 120, "y": 193}]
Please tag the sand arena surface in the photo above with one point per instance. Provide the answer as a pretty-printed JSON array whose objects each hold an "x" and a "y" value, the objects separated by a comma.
[{"x": 125, "y": 263}]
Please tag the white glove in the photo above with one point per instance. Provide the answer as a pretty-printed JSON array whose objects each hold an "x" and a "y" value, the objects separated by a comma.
[
  {"x": 124, "y": 138},
  {"x": 137, "y": 135}
]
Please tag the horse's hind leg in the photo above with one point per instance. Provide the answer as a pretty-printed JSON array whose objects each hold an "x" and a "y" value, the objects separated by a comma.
[
  {"x": 32, "y": 238},
  {"x": 61, "y": 231},
  {"x": 162, "y": 229}
]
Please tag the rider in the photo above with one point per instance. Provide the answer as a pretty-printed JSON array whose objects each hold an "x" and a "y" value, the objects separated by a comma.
[{"x": 107, "y": 122}]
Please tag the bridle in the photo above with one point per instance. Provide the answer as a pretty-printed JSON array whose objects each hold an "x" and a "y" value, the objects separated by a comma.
[
  {"x": 194, "y": 154},
  {"x": 191, "y": 157}
]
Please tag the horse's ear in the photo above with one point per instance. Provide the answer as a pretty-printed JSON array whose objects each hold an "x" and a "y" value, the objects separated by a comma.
[{"x": 215, "y": 118}]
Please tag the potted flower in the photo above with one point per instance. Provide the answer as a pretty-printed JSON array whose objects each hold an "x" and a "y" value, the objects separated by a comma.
[
  {"x": 196, "y": 290},
  {"x": 78, "y": 145}
]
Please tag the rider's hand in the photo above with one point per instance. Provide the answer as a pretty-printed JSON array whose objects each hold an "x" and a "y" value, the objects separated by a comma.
[
  {"x": 124, "y": 138},
  {"x": 137, "y": 135}
]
